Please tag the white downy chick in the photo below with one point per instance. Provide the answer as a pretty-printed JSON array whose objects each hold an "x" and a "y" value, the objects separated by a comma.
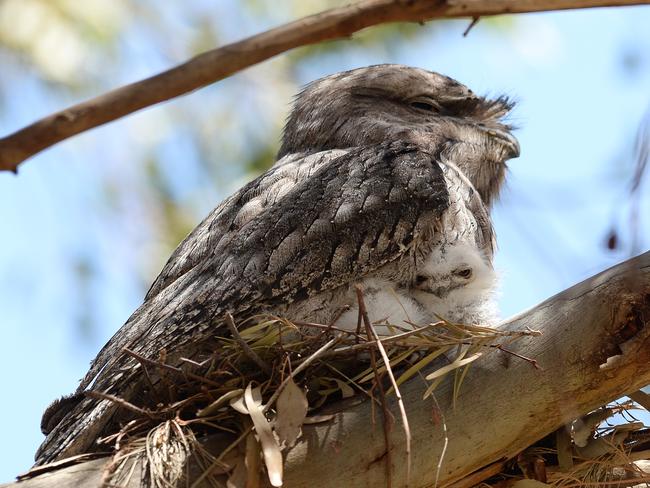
[
  {"x": 458, "y": 284},
  {"x": 455, "y": 282}
]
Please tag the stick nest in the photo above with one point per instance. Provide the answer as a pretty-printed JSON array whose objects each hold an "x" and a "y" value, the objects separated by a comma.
[{"x": 267, "y": 378}]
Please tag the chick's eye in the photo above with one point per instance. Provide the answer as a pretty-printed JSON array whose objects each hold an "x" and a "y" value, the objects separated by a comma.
[
  {"x": 423, "y": 106},
  {"x": 465, "y": 273}
]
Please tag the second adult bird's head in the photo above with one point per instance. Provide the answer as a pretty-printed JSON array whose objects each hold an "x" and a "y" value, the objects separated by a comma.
[{"x": 390, "y": 102}]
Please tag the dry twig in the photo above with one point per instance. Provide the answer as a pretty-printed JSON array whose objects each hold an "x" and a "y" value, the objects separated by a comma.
[
  {"x": 398, "y": 395},
  {"x": 301, "y": 367},
  {"x": 122, "y": 403},
  {"x": 252, "y": 355},
  {"x": 363, "y": 314}
]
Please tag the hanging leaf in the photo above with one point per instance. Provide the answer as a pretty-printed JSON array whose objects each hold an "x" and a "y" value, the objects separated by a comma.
[
  {"x": 270, "y": 447},
  {"x": 438, "y": 374},
  {"x": 450, "y": 367},
  {"x": 239, "y": 404},
  {"x": 292, "y": 409}
]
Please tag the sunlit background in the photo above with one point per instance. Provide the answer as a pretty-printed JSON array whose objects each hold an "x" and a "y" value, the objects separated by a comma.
[{"x": 86, "y": 226}]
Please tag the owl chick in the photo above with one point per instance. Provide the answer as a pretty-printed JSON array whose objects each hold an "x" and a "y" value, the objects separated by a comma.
[{"x": 456, "y": 283}]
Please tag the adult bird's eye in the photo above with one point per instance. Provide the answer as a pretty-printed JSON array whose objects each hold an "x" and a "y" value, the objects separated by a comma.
[{"x": 423, "y": 106}]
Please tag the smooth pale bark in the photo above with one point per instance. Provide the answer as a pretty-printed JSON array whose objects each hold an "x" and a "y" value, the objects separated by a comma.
[
  {"x": 505, "y": 404},
  {"x": 595, "y": 347}
]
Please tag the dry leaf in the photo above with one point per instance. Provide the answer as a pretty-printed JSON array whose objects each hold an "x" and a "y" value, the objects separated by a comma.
[
  {"x": 643, "y": 465},
  {"x": 239, "y": 405},
  {"x": 292, "y": 410},
  {"x": 450, "y": 367},
  {"x": 601, "y": 446},
  {"x": 584, "y": 427},
  {"x": 438, "y": 374},
  {"x": 346, "y": 390},
  {"x": 270, "y": 447}
]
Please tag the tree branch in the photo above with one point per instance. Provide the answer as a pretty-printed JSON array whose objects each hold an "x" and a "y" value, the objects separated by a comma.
[
  {"x": 595, "y": 348},
  {"x": 217, "y": 64}
]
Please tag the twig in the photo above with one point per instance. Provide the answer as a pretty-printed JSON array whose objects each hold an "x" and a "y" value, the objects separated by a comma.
[
  {"x": 252, "y": 355},
  {"x": 441, "y": 341},
  {"x": 445, "y": 443},
  {"x": 215, "y": 65},
  {"x": 338, "y": 316},
  {"x": 116, "y": 437},
  {"x": 61, "y": 463},
  {"x": 471, "y": 25},
  {"x": 500, "y": 347},
  {"x": 527, "y": 359},
  {"x": 98, "y": 395},
  {"x": 363, "y": 313},
  {"x": 602, "y": 483},
  {"x": 323, "y": 326},
  {"x": 398, "y": 395},
  {"x": 417, "y": 330},
  {"x": 194, "y": 363},
  {"x": 301, "y": 367},
  {"x": 392, "y": 341},
  {"x": 151, "y": 362}
]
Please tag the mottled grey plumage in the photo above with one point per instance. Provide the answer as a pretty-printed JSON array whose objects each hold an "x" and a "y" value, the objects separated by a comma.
[{"x": 378, "y": 167}]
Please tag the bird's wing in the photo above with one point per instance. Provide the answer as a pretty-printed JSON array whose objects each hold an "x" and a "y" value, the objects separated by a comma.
[
  {"x": 468, "y": 218},
  {"x": 241, "y": 207},
  {"x": 307, "y": 225}
]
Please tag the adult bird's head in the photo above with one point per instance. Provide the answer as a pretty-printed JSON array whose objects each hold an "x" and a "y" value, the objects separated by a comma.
[{"x": 391, "y": 102}]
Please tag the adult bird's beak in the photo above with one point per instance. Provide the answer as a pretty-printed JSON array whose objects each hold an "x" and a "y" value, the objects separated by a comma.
[{"x": 506, "y": 139}]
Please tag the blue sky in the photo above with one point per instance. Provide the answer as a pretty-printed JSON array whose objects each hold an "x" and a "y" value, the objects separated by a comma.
[{"x": 582, "y": 79}]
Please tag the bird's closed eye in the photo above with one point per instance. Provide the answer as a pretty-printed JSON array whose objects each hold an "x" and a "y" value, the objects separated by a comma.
[{"x": 420, "y": 105}]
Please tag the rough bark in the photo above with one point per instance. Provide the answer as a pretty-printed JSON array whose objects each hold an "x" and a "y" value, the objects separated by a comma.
[
  {"x": 220, "y": 63},
  {"x": 595, "y": 347}
]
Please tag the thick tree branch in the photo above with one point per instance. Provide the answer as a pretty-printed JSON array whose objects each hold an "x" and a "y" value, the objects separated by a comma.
[
  {"x": 595, "y": 348},
  {"x": 219, "y": 63}
]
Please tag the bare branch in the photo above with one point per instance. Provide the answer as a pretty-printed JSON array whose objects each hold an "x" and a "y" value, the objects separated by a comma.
[{"x": 220, "y": 63}]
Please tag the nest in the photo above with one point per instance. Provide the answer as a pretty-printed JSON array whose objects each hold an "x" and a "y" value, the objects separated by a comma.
[{"x": 270, "y": 376}]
